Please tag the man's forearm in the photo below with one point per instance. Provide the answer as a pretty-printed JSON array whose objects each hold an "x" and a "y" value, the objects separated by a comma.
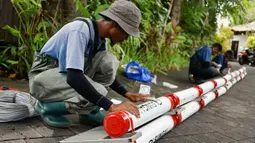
[
  {"x": 80, "y": 84},
  {"x": 118, "y": 87}
]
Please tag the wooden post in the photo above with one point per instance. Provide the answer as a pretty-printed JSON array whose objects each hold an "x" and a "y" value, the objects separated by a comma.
[{"x": 8, "y": 16}]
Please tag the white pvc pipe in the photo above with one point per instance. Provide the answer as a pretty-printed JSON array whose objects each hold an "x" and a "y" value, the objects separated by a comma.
[
  {"x": 155, "y": 129},
  {"x": 117, "y": 124},
  {"x": 189, "y": 109},
  {"x": 228, "y": 77},
  {"x": 220, "y": 82},
  {"x": 207, "y": 98},
  {"x": 187, "y": 95},
  {"x": 207, "y": 86},
  {"x": 165, "y": 123}
]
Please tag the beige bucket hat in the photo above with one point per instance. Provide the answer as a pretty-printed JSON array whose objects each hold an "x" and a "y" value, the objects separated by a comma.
[{"x": 126, "y": 15}]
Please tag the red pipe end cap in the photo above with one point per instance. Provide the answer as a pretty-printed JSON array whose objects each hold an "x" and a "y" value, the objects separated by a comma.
[{"x": 116, "y": 124}]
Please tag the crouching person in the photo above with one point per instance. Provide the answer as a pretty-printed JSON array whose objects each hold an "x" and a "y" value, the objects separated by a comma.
[
  {"x": 200, "y": 64},
  {"x": 73, "y": 70},
  {"x": 221, "y": 61}
]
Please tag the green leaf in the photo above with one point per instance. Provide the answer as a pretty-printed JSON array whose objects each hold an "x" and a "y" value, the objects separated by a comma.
[
  {"x": 178, "y": 28},
  {"x": 85, "y": 12},
  {"x": 5, "y": 65},
  {"x": 37, "y": 38},
  {"x": 180, "y": 38},
  {"x": 13, "y": 31},
  {"x": 36, "y": 3},
  {"x": 27, "y": 64},
  {"x": 83, "y": 9},
  {"x": 100, "y": 9},
  {"x": 12, "y": 62},
  {"x": 43, "y": 25},
  {"x": 189, "y": 41},
  {"x": 169, "y": 27},
  {"x": 5, "y": 50},
  {"x": 14, "y": 51}
]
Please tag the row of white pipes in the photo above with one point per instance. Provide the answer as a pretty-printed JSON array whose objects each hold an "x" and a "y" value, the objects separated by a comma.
[
  {"x": 118, "y": 123},
  {"x": 165, "y": 123}
]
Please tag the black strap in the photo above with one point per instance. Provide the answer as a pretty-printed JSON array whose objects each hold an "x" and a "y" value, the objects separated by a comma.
[
  {"x": 92, "y": 44},
  {"x": 96, "y": 39}
]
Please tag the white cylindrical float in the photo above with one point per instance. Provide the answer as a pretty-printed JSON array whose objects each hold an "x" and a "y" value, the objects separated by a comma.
[
  {"x": 165, "y": 123},
  {"x": 187, "y": 95},
  {"x": 117, "y": 124},
  {"x": 156, "y": 129}
]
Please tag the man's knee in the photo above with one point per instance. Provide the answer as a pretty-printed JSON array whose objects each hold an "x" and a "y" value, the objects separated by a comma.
[
  {"x": 213, "y": 71},
  {"x": 36, "y": 89},
  {"x": 210, "y": 72},
  {"x": 48, "y": 85}
]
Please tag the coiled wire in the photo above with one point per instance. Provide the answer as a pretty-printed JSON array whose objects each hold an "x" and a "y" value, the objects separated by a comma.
[{"x": 16, "y": 105}]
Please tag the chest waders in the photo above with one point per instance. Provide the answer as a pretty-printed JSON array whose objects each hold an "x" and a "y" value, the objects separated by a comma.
[{"x": 52, "y": 112}]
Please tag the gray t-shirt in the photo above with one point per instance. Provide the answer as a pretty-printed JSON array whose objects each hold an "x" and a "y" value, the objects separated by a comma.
[{"x": 69, "y": 46}]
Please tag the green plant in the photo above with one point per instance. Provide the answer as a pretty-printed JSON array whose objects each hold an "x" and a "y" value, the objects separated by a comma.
[
  {"x": 35, "y": 27},
  {"x": 224, "y": 37},
  {"x": 157, "y": 49},
  {"x": 250, "y": 42},
  {"x": 163, "y": 45},
  {"x": 4, "y": 61},
  {"x": 91, "y": 8}
]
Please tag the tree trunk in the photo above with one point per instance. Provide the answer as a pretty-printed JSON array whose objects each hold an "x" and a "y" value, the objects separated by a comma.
[
  {"x": 176, "y": 12},
  {"x": 168, "y": 15},
  {"x": 202, "y": 3}
]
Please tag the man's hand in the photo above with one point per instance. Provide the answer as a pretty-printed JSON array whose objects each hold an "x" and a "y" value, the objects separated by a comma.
[
  {"x": 215, "y": 64},
  {"x": 126, "y": 106},
  {"x": 135, "y": 97}
]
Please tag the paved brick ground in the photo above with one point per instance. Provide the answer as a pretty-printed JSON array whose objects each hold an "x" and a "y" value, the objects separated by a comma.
[{"x": 228, "y": 119}]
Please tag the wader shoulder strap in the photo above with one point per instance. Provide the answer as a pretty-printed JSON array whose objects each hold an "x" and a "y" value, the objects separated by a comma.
[{"x": 92, "y": 44}]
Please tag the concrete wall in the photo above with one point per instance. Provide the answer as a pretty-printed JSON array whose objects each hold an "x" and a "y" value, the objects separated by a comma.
[{"x": 242, "y": 40}]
